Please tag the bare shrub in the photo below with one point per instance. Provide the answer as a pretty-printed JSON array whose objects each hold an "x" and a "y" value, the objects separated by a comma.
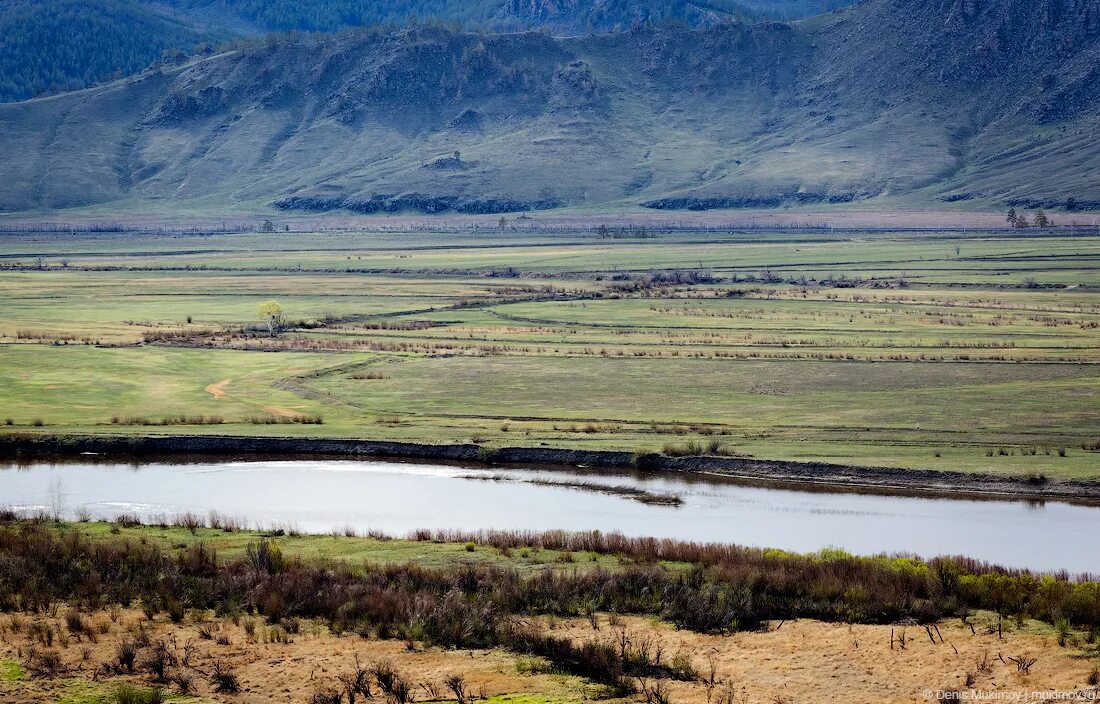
[{"x": 224, "y": 679}]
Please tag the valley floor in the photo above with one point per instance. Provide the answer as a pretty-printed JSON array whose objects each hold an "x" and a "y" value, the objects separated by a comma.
[{"x": 953, "y": 350}]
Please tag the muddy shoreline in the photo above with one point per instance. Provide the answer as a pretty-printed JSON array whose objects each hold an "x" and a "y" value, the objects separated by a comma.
[{"x": 791, "y": 474}]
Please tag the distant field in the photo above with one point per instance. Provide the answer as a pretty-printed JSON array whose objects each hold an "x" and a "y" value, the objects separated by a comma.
[{"x": 951, "y": 350}]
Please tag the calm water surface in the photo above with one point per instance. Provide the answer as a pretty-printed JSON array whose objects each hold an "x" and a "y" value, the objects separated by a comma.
[{"x": 320, "y": 495}]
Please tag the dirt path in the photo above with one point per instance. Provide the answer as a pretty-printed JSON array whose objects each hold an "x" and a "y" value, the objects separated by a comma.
[
  {"x": 217, "y": 390},
  {"x": 281, "y": 412}
]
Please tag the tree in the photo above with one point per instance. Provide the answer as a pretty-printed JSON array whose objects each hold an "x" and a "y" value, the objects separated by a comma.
[
  {"x": 1041, "y": 219},
  {"x": 268, "y": 226},
  {"x": 271, "y": 314},
  {"x": 1021, "y": 221},
  {"x": 1012, "y": 218}
]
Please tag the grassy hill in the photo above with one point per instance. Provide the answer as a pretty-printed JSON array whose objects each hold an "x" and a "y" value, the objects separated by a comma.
[{"x": 924, "y": 101}]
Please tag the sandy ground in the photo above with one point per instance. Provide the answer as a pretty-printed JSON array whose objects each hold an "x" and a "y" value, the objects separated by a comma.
[
  {"x": 268, "y": 671},
  {"x": 217, "y": 390},
  {"x": 807, "y": 661},
  {"x": 801, "y": 661},
  {"x": 281, "y": 411}
]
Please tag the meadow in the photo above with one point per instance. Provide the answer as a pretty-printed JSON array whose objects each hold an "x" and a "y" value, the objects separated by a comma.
[{"x": 955, "y": 349}]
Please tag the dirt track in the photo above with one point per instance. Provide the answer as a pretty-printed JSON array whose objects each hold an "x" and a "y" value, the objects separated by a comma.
[{"x": 217, "y": 390}]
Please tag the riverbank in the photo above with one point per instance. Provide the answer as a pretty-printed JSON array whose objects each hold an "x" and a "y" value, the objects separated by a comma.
[
  {"x": 521, "y": 618},
  {"x": 839, "y": 477}
]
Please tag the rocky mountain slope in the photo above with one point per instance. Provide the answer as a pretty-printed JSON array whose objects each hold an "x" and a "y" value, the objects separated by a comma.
[
  {"x": 924, "y": 100},
  {"x": 53, "y": 45}
]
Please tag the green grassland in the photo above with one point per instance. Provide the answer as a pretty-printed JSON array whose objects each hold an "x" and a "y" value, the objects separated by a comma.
[
  {"x": 945, "y": 350},
  {"x": 354, "y": 549}
]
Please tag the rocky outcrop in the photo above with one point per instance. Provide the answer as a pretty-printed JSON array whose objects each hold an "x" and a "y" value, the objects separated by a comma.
[{"x": 414, "y": 202}]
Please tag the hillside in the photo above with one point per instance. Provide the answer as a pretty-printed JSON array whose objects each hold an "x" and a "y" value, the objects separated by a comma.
[
  {"x": 925, "y": 100},
  {"x": 67, "y": 44},
  {"x": 560, "y": 16},
  {"x": 52, "y": 45}
]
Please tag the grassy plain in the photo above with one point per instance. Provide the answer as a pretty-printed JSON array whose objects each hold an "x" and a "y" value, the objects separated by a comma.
[{"x": 971, "y": 350}]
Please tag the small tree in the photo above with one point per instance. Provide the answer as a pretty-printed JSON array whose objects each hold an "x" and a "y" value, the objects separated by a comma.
[
  {"x": 268, "y": 226},
  {"x": 1012, "y": 218},
  {"x": 271, "y": 314},
  {"x": 1041, "y": 219},
  {"x": 1021, "y": 221}
]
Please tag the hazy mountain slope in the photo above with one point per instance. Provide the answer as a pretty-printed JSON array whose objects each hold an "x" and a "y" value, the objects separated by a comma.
[
  {"x": 885, "y": 98},
  {"x": 568, "y": 16},
  {"x": 67, "y": 44},
  {"x": 1017, "y": 82}
]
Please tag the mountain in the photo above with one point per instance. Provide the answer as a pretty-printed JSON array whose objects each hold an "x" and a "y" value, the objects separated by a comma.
[
  {"x": 562, "y": 16},
  {"x": 913, "y": 100},
  {"x": 51, "y": 45},
  {"x": 65, "y": 44}
]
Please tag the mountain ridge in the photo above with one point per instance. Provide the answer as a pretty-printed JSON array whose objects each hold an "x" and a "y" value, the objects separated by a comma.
[
  {"x": 54, "y": 45},
  {"x": 988, "y": 100}
]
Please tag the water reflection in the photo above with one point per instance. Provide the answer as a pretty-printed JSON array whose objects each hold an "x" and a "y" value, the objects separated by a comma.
[{"x": 399, "y": 497}]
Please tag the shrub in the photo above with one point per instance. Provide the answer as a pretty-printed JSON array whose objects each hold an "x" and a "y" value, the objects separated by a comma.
[
  {"x": 1064, "y": 629},
  {"x": 384, "y": 675},
  {"x": 655, "y": 692},
  {"x": 224, "y": 679},
  {"x": 45, "y": 663},
  {"x": 129, "y": 694},
  {"x": 184, "y": 682},
  {"x": 265, "y": 556},
  {"x": 729, "y": 588},
  {"x": 159, "y": 661},
  {"x": 689, "y": 449},
  {"x": 76, "y": 623},
  {"x": 328, "y": 695},
  {"x": 356, "y": 682},
  {"x": 176, "y": 610},
  {"x": 126, "y": 655},
  {"x": 457, "y": 685}
]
